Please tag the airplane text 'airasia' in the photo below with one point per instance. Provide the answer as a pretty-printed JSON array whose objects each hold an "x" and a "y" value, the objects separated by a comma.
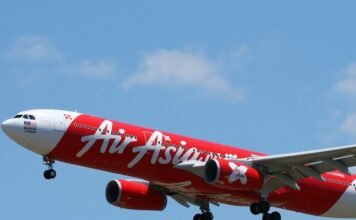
[{"x": 190, "y": 171}]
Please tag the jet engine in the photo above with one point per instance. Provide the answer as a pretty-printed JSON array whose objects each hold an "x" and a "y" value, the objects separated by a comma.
[
  {"x": 232, "y": 175},
  {"x": 137, "y": 195}
]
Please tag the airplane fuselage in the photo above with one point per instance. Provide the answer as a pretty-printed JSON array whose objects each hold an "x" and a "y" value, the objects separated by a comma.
[{"x": 155, "y": 156}]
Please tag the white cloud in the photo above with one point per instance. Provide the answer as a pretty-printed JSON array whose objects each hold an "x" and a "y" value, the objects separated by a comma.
[
  {"x": 34, "y": 48},
  {"x": 91, "y": 68},
  {"x": 38, "y": 49},
  {"x": 174, "y": 67},
  {"x": 160, "y": 68},
  {"x": 349, "y": 124},
  {"x": 348, "y": 84},
  {"x": 238, "y": 55}
]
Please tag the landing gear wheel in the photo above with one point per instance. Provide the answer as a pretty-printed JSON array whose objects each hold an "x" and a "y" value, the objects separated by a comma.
[
  {"x": 266, "y": 216},
  {"x": 52, "y": 173},
  {"x": 197, "y": 217},
  {"x": 46, "y": 175},
  {"x": 205, "y": 211},
  {"x": 264, "y": 207},
  {"x": 275, "y": 216},
  {"x": 255, "y": 208},
  {"x": 207, "y": 216},
  {"x": 49, "y": 174}
]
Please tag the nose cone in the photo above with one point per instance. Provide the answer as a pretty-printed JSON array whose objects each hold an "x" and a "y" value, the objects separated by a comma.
[
  {"x": 13, "y": 129},
  {"x": 8, "y": 127}
]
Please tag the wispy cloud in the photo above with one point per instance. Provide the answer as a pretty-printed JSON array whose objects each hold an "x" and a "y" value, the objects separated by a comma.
[
  {"x": 164, "y": 68},
  {"x": 238, "y": 55},
  {"x": 349, "y": 124},
  {"x": 33, "y": 48},
  {"x": 347, "y": 85},
  {"x": 180, "y": 68},
  {"x": 38, "y": 49},
  {"x": 98, "y": 68}
]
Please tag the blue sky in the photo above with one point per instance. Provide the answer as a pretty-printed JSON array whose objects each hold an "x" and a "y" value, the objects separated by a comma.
[{"x": 272, "y": 76}]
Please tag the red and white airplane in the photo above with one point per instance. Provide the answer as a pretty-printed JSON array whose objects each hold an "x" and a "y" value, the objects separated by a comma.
[{"x": 191, "y": 171}]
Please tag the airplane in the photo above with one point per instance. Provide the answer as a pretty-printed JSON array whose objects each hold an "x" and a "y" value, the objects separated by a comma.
[{"x": 189, "y": 170}]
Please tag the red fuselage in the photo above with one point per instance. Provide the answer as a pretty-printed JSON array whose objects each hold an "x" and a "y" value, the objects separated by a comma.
[
  {"x": 157, "y": 157},
  {"x": 157, "y": 164}
]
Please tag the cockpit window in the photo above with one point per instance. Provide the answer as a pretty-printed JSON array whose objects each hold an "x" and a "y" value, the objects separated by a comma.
[{"x": 31, "y": 117}]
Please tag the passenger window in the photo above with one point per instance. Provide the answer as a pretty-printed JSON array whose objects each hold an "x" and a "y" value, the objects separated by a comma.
[
  {"x": 32, "y": 117},
  {"x": 25, "y": 116}
]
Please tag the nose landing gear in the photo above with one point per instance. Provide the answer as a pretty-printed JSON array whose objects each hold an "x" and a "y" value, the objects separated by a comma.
[
  {"x": 263, "y": 208},
  {"x": 50, "y": 173}
]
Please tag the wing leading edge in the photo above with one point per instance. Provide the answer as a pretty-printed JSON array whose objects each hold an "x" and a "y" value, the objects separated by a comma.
[{"x": 287, "y": 169}]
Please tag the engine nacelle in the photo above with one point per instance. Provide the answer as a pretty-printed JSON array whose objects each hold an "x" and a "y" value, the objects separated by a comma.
[
  {"x": 130, "y": 194},
  {"x": 232, "y": 175}
]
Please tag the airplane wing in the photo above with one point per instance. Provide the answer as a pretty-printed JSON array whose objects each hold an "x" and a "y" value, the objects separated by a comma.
[{"x": 287, "y": 169}]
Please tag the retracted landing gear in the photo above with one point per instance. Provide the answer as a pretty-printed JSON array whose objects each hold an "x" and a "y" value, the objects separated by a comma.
[
  {"x": 50, "y": 173},
  {"x": 205, "y": 213},
  {"x": 263, "y": 208}
]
